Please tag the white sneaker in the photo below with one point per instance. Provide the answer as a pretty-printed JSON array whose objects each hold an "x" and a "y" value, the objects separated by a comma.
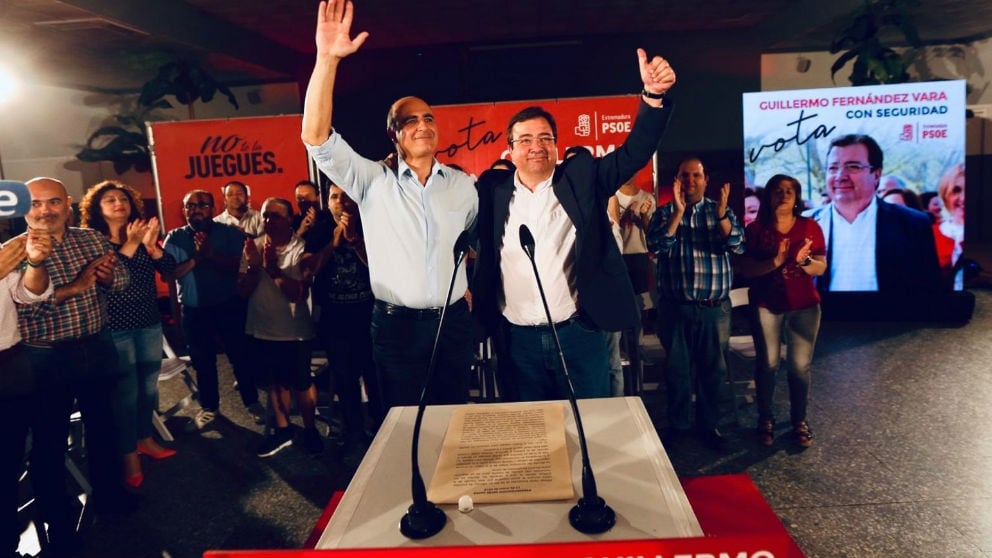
[{"x": 203, "y": 418}]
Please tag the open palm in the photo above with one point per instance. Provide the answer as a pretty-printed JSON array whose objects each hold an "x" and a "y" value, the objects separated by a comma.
[{"x": 334, "y": 29}]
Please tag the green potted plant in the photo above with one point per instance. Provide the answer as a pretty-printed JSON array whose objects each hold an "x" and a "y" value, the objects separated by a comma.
[
  {"x": 875, "y": 63},
  {"x": 125, "y": 143}
]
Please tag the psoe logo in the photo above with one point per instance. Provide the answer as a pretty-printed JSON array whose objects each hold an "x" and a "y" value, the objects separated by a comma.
[
  {"x": 907, "y": 133},
  {"x": 585, "y": 126},
  {"x": 933, "y": 132}
]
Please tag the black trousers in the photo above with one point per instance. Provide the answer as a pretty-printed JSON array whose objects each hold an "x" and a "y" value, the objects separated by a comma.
[
  {"x": 401, "y": 349},
  {"x": 84, "y": 371}
]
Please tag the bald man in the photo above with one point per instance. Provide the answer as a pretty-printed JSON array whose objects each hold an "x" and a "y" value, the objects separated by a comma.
[
  {"x": 74, "y": 359},
  {"x": 412, "y": 215}
]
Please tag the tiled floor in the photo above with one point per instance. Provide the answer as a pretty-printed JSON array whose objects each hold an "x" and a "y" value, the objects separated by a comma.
[
  {"x": 901, "y": 461},
  {"x": 900, "y": 466}
]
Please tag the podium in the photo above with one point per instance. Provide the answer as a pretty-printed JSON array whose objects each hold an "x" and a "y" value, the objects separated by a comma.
[{"x": 633, "y": 474}]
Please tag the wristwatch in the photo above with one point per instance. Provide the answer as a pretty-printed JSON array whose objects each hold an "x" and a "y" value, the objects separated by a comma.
[{"x": 807, "y": 261}]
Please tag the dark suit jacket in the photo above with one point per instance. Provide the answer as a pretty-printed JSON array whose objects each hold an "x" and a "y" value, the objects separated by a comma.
[
  {"x": 582, "y": 184},
  {"x": 905, "y": 252}
]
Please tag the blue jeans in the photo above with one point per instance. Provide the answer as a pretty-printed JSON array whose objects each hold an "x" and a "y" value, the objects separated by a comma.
[
  {"x": 139, "y": 355},
  {"x": 616, "y": 363},
  {"x": 798, "y": 329},
  {"x": 695, "y": 339},
  {"x": 535, "y": 364}
]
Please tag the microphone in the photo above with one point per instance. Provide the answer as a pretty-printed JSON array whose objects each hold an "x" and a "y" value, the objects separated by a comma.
[
  {"x": 590, "y": 515},
  {"x": 423, "y": 518},
  {"x": 15, "y": 199}
]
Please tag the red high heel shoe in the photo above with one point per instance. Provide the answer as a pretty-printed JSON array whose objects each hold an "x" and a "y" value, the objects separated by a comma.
[
  {"x": 135, "y": 480},
  {"x": 164, "y": 453}
]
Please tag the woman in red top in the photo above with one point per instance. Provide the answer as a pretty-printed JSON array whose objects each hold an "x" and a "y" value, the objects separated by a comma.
[{"x": 784, "y": 252}]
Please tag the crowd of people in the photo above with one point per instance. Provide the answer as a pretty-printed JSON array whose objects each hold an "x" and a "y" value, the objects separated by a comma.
[{"x": 363, "y": 275}]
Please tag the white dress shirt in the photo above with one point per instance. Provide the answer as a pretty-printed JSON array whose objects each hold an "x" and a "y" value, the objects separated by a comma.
[
  {"x": 852, "y": 255},
  {"x": 554, "y": 252},
  {"x": 250, "y": 223},
  {"x": 12, "y": 290}
]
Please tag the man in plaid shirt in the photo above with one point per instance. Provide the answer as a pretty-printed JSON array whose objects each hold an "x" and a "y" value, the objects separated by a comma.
[
  {"x": 693, "y": 237},
  {"x": 73, "y": 358}
]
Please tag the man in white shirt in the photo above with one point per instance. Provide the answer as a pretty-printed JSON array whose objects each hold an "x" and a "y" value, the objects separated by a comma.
[
  {"x": 278, "y": 322},
  {"x": 237, "y": 209},
  {"x": 872, "y": 245},
  {"x": 581, "y": 269}
]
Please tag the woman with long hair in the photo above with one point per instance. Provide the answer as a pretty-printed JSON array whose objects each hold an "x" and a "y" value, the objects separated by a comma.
[
  {"x": 115, "y": 209},
  {"x": 784, "y": 252}
]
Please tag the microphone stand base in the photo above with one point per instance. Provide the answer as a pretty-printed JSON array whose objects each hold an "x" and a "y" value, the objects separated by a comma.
[
  {"x": 592, "y": 516},
  {"x": 422, "y": 521}
]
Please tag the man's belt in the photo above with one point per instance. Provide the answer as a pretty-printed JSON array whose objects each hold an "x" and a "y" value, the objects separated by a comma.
[
  {"x": 708, "y": 303},
  {"x": 558, "y": 325},
  {"x": 64, "y": 343},
  {"x": 412, "y": 313}
]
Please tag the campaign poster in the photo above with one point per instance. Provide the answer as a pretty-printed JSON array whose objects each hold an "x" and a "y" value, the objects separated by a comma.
[
  {"x": 265, "y": 153},
  {"x": 920, "y": 130},
  {"x": 474, "y": 136}
]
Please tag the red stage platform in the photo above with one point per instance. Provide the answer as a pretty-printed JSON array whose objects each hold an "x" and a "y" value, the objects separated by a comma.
[{"x": 734, "y": 516}]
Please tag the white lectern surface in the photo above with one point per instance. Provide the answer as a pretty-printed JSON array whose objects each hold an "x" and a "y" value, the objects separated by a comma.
[{"x": 633, "y": 475}]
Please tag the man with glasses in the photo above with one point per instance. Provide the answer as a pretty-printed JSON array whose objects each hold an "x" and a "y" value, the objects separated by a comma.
[
  {"x": 872, "y": 245},
  {"x": 208, "y": 255},
  {"x": 413, "y": 212},
  {"x": 581, "y": 269}
]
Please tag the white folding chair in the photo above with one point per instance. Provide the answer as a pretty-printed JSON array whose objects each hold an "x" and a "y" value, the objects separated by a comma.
[{"x": 173, "y": 366}]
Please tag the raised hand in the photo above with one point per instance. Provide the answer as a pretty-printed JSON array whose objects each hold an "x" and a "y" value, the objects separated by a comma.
[
  {"x": 333, "y": 34},
  {"x": 104, "y": 270},
  {"x": 349, "y": 226},
  {"x": 656, "y": 74},
  {"x": 721, "y": 208},
  {"x": 269, "y": 257},
  {"x": 307, "y": 222},
  {"x": 644, "y": 207},
  {"x": 783, "y": 253},
  {"x": 805, "y": 251},
  {"x": 152, "y": 232},
  {"x": 678, "y": 196},
  {"x": 201, "y": 242},
  {"x": 252, "y": 255},
  {"x": 12, "y": 254},
  {"x": 135, "y": 232},
  {"x": 37, "y": 247}
]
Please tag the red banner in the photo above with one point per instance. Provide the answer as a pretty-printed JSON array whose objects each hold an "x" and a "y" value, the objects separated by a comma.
[
  {"x": 266, "y": 153},
  {"x": 474, "y": 136}
]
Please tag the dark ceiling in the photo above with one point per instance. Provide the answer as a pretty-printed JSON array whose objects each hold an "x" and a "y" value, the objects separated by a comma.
[{"x": 116, "y": 45}]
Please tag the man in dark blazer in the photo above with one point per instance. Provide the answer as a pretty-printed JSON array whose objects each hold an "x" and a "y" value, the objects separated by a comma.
[
  {"x": 581, "y": 269},
  {"x": 872, "y": 245}
]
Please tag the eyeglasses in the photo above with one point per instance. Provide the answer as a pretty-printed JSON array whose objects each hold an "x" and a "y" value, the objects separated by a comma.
[
  {"x": 527, "y": 141},
  {"x": 849, "y": 168},
  {"x": 202, "y": 205}
]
